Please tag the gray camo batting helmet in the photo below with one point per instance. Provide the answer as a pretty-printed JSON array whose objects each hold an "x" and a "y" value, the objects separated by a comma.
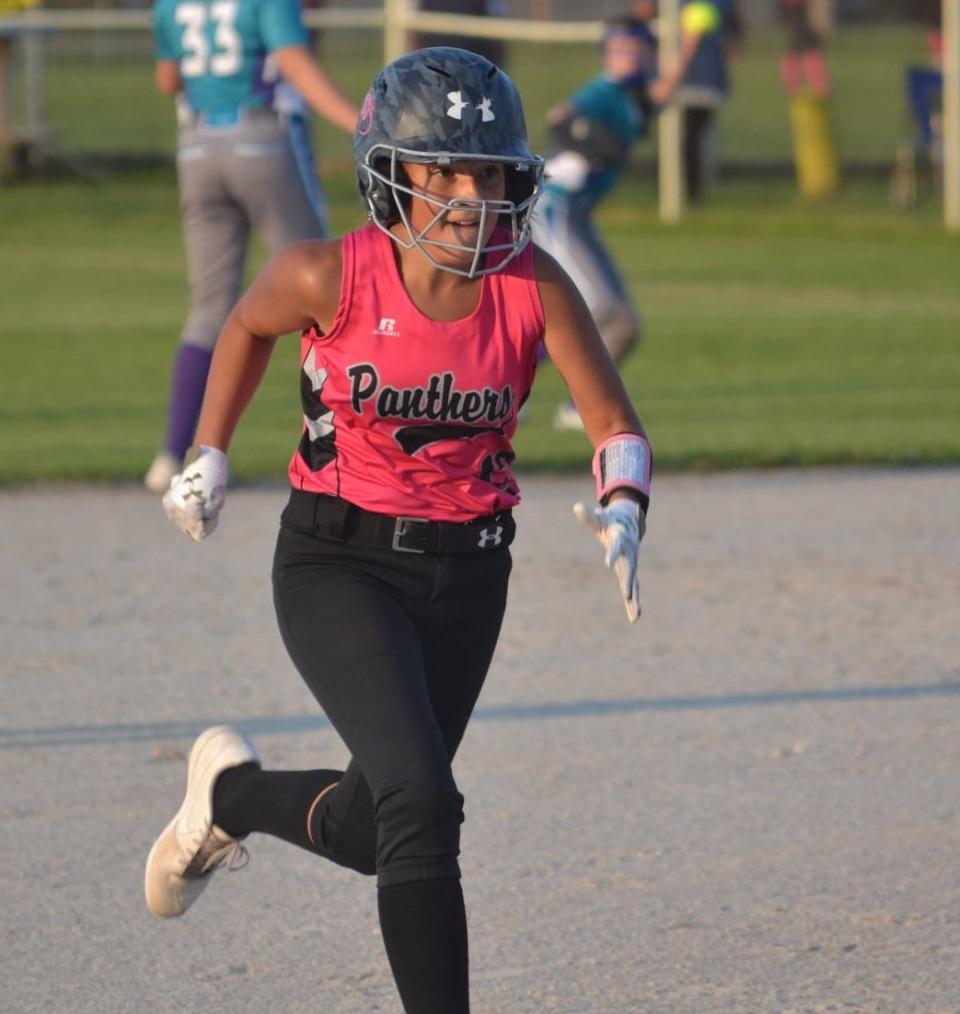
[{"x": 438, "y": 106}]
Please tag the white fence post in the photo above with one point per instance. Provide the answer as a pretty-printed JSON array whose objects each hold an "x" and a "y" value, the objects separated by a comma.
[
  {"x": 669, "y": 132},
  {"x": 394, "y": 29},
  {"x": 951, "y": 114},
  {"x": 34, "y": 76}
]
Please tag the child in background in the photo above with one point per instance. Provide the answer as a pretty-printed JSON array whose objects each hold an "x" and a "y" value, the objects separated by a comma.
[
  {"x": 592, "y": 134},
  {"x": 806, "y": 80},
  {"x": 802, "y": 65}
]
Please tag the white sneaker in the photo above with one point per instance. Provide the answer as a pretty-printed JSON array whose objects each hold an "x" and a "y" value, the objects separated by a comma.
[
  {"x": 163, "y": 468},
  {"x": 191, "y": 847},
  {"x": 567, "y": 417}
]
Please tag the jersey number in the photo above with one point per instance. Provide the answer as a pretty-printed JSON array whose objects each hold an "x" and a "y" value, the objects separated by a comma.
[{"x": 222, "y": 59}]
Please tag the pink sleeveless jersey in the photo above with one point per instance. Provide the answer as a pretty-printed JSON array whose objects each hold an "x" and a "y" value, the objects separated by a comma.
[{"x": 407, "y": 415}]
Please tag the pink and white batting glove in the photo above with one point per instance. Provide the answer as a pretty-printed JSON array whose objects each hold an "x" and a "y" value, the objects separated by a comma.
[
  {"x": 196, "y": 495},
  {"x": 620, "y": 527}
]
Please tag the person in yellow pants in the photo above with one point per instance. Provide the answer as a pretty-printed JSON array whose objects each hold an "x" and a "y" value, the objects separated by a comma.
[{"x": 806, "y": 80}]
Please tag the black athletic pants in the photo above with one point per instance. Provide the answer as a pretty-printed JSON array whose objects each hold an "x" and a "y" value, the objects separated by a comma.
[
  {"x": 698, "y": 122},
  {"x": 395, "y": 646}
]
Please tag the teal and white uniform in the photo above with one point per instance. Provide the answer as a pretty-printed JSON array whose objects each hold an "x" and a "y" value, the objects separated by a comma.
[
  {"x": 598, "y": 136},
  {"x": 236, "y": 166},
  {"x": 222, "y": 48},
  {"x": 607, "y": 107}
]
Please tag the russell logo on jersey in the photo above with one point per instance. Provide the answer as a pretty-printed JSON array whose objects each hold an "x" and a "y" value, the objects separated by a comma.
[{"x": 387, "y": 326}]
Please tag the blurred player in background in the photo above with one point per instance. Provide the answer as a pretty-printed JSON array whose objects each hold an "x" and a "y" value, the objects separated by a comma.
[
  {"x": 806, "y": 80},
  {"x": 920, "y": 152},
  {"x": 592, "y": 134},
  {"x": 803, "y": 67},
  {"x": 706, "y": 84},
  {"x": 706, "y": 87},
  {"x": 236, "y": 166},
  {"x": 420, "y": 334}
]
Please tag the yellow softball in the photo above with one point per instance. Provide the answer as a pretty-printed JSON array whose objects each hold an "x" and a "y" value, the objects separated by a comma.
[{"x": 700, "y": 18}]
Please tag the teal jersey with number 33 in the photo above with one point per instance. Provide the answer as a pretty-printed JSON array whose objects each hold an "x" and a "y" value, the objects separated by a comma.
[{"x": 222, "y": 46}]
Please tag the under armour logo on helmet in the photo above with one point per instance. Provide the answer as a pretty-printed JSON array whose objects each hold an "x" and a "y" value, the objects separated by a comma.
[
  {"x": 490, "y": 538},
  {"x": 458, "y": 104}
]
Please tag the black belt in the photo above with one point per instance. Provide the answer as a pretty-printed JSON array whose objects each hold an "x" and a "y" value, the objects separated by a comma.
[{"x": 334, "y": 518}]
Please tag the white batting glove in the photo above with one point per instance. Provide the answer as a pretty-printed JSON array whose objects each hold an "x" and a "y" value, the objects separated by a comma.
[
  {"x": 620, "y": 527},
  {"x": 196, "y": 495},
  {"x": 568, "y": 169}
]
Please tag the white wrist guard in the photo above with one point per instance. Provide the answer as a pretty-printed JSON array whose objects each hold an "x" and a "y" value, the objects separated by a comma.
[{"x": 621, "y": 462}]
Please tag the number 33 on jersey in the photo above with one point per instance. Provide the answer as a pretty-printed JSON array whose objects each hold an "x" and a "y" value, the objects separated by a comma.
[{"x": 222, "y": 48}]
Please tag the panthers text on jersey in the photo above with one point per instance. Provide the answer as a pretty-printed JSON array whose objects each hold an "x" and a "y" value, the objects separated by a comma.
[{"x": 405, "y": 415}]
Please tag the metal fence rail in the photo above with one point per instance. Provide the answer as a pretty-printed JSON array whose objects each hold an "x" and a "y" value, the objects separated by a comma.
[
  {"x": 392, "y": 15},
  {"x": 28, "y": 32}
]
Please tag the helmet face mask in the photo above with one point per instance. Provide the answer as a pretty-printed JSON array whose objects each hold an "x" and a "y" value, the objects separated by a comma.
[
  {"x": 443, "y": 106},
  {"x": 389, "y": 196}
]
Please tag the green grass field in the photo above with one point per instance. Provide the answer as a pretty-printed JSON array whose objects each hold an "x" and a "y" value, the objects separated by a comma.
[{"x": 776, "y": 332}]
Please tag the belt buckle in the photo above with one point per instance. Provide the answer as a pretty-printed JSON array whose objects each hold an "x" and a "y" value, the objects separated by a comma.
[{"x": 400, "y": 529}]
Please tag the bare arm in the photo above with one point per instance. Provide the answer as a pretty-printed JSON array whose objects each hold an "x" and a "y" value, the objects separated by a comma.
[
  {"x": 299, "y": 67},
  {"x": 166, "y": 76},
  {"x": 578, "y": 352},
  {"x": 297, "y": 288},
  {"x": 662, "y": 89},
  {"x": 558, "y": 113}
]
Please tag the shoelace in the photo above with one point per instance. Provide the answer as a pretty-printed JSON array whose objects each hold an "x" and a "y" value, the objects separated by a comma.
[
  {"x": 233, "y": 855},
  {"x": 209, "y": 854}
]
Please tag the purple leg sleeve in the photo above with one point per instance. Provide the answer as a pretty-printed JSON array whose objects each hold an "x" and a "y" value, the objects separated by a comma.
[{"x": 190, "y": 368}]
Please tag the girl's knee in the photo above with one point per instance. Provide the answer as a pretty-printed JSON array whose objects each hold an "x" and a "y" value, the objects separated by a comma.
[
  {"x": 418, "y": 827},
  {"x": 422, "y": 806}
]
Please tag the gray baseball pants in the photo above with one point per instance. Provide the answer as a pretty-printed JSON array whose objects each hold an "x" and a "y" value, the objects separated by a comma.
[{"x": 232, "y": 180}]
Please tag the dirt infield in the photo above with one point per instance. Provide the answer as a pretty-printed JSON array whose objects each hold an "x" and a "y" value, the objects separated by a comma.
[{"x": 748, "y": 802}]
